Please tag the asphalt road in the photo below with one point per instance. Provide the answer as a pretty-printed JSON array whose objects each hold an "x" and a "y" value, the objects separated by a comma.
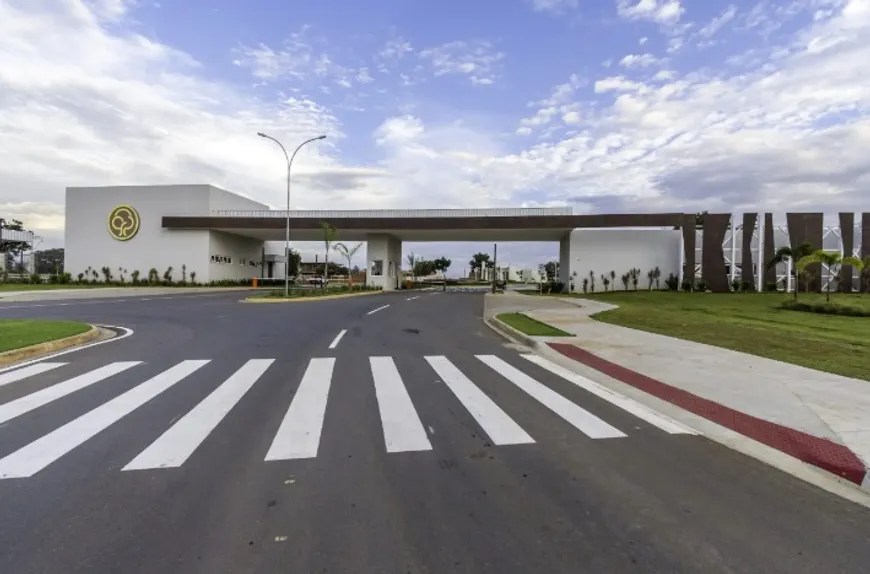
[{"x": 425, "y": 486}]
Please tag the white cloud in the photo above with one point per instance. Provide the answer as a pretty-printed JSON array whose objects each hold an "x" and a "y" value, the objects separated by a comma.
[
  {"x": 477, "y": 60},
  {"x": 638, "y": 61},
  {"x": 660, "y": 11},
  {"x": 554, "y": 6}
]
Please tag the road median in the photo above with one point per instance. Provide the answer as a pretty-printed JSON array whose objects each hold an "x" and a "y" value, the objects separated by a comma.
[
  {"x": 22, "y": 339},
  {"x": 269, "y": 298}
]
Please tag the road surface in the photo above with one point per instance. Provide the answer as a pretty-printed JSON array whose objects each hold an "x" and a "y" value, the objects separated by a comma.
[{"x": 390, "y": 433}]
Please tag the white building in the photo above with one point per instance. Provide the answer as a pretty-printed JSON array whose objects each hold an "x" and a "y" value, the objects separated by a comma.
[{"x": 93, "y": 241}]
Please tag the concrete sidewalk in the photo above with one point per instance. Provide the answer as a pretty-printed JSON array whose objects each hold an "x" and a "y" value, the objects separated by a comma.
[{"x": 819, "y": 418}]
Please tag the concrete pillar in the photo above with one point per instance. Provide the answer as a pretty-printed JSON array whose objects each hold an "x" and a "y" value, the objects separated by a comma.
[
  {"x": 565, "y": 261},
  {"x": 383, "y": 260}
]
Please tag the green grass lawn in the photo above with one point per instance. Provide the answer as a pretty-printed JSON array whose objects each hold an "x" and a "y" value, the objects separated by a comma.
[
  {"x": 18, "y": 333},
  {"x": 752, "y": 323},
  {"x": 527, "y": 325}
]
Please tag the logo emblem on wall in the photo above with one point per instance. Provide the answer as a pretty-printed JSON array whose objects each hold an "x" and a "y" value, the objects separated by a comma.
[{"x": 123, "y": 223}]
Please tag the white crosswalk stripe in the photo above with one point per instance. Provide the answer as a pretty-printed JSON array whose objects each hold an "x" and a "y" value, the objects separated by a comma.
[
  {"x": 495, "y": 422},
  {"x": 35, "y": 400},
  {"x": 403, "y": 430},
  {"x": 581, "y": 419},
  {"x": 179, "y": 442},
  {"x": 28, "y": 371},
  {"x": 299, "y": 433},
  {"x": 37, "y": 455},
  {"x": 658, "y": 420}
]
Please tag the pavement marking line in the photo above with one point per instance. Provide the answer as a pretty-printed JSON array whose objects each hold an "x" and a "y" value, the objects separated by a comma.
[
  {"x": 35, "y": 400},
  {"x": 373, "y": 311},
  {"x": 127, "y": 333},
  {"x": 579, "y": 418},
  {"x": 412, "y": 298},
  {"x": 640, "y": 411},
  {"x": 37, "y": 455},
  {"x": 496, "y": 423},
  {"x": 337, "y": 339},
  {"x": 299, "y": 433},
  {"x": 176, "y": 445},
  {"x": 29, "y": 371},
  {"x": 403, "y": 430}
]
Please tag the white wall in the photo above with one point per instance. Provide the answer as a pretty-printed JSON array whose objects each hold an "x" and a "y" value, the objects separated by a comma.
[
  {"x": 87, "y": 241},
  {"x": 619, "y": 250},
  {"x": 235, "y": 257},
  {"x": 89, "y": 244},
  {"x": 387, "y": 249}
]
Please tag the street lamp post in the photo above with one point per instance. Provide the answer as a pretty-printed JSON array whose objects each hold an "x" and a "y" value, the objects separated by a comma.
[{"x": 287, "y": 230}]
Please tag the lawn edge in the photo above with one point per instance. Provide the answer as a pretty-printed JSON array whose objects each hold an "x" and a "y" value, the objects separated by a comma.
[
  {"x": 562, "y": 332},
  {"x": 30, "y": 351}
]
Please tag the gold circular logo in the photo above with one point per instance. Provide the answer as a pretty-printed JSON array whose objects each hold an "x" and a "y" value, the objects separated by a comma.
[{"x": 123, "y": 223}]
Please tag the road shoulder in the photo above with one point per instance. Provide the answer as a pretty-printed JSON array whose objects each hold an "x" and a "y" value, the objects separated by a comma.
[{"x": 48, "y": 347}]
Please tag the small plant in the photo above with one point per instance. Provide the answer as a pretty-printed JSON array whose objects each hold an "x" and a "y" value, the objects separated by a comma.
[
  {"x": 650, "y": 278},
  {"x": 573, "y": 281},
  {"x": 153, "y": 276},
  {"x": 626, "y": 277},
  {"x": 747, "y": 287},
  {"x": 184, "y": 274},
  {"x": 167, "y": 276},
  {"x": 122, "y": 275},
  {"x": 657, "y": 274},
  {"x": 107, "y": 274},
  {"x": 134, "y": 277},
  {"x": 81, "y": 277},
  {"x": 606, "y": 281},
  {"x": 702, "y": 285},
  {"x": 94, "y": 276},
  {"x": 193, "y": 277},
  {"x": 586, "y": 285},
  {"x": 613, "y": 279},
  {"x": 735, "y": 285},
  {"x": 687, "y": 286},
  {"x": 592, "y": 281},
  {"x": 35, "y": 279},
  {"x": 635, "y": 277}
]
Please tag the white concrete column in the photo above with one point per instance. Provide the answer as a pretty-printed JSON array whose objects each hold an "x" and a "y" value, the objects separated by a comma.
[
  {"x": 383, "y": 260},
  {"x": 565, "y": 261}
]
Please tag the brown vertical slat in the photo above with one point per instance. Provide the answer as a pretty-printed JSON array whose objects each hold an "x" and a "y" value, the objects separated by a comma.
[
  {"x": 769, "y": 250},
  {"x": 712, "y": 256},
  {"x": 807, "y": 227},
  {"x": 847, "y": 232},
  {"x": 747, "y": 273},
  {"x": 688, "y": 228}
]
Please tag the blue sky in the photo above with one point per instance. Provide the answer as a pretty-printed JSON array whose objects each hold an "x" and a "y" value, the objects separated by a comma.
[{"x": 601, "y": 105}]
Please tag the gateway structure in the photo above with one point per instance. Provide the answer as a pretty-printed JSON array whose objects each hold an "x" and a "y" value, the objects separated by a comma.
[{"x": 219, "y": 235}]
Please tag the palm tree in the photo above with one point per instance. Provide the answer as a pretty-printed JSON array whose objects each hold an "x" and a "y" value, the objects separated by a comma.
[
  {"x": 412, "y": 265},
  {"x": 347, "y": 253},
  {"x": 833, "y": 260},
  {"x": 786, "y": 253},
  {"x": 330, "y": 234}
]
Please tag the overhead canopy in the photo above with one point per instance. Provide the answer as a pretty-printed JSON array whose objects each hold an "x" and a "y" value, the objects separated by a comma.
[{"x": 459, "y": 228}]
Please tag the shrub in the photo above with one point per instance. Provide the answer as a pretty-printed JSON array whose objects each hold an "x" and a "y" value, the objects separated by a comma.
[
  {"x": 687, "y": 286},
  {"x": 672, "y": 282},
  {"x": 825, "y": 308},
  {"x": 702, "y": 285},
  {"x": 35, "y": 279}
]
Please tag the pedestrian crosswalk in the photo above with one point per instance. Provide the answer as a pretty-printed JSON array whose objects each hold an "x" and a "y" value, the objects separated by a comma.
[{"x": 299, "y": 434}]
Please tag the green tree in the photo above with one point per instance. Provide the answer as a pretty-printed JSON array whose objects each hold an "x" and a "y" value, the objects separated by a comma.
[
  {"x": 785, "y": 254},
  {"x": 550, "y": 269},
  {"x": 8, "y": 248},
  {"x": 833, "y": 259},
  {"x": 479, "y": 261},
  {"x": 48, "y": 261},
  {"x": 294, "y": 263},
  {"x": 330, "y": 235},
  {"x": 348, "y": 253},
  {"x": 442, "y": 264}
]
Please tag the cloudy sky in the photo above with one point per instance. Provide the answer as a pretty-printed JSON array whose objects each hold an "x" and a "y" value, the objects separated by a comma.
[{"x": 602, "y": 105}]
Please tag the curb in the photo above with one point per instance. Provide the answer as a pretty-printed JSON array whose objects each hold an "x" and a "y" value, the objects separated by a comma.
[
  {"x": 24, "y": 353},
  {"x": 306, "y": 299},
  {"x": 789, "y": 444}
]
